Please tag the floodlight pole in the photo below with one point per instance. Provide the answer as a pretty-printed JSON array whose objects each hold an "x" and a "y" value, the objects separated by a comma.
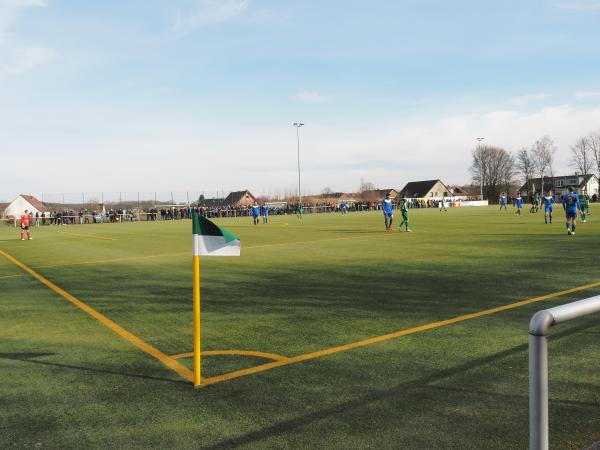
[
  {"x": 298, "y": 125},
  {"x": 479, "y": 139}
]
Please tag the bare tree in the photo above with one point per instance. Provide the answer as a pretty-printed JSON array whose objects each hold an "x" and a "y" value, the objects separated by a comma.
[
  {"x": 582, "y": 158},
  {"x": 594, "y": 143},
  {"x": 494, "y": 167},
  {"x": 525, "y": 166},
  {"x": 542, "y": 155},
  {"x": 326, "y": 191},
  {"x": 366, "y": 186}
]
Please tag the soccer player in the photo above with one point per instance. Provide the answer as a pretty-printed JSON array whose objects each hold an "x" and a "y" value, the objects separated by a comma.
[
  {"x": 265, "y": 213},
  {"x": 503, "y": 201},
  {"x": 25, "y": 222},
  {"x": 343, "y": 208},
  {"x": 255, "y": 212},
  {"x": 299, "y": 210},
  {"x": 443, "y": 204},
  {"x": 548, "y": 201},
  {"x": 584, "y": 200},
  {"x": 404, "y": 212},
  {"x": 572, "y": 207},
  {"x": 519, "y": 203},
  {"x": 388, "y": 211}
]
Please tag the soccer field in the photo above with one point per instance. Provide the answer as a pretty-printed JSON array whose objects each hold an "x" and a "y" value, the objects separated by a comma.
[{"x": 325, "y": 333}]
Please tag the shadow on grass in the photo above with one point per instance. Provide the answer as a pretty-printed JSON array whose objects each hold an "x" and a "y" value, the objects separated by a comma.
[
  {"x": 385, "y": 394},
  {"x": 29, "y": 358}
]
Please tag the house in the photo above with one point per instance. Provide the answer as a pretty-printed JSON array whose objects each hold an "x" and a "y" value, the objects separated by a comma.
[
  {"x": 425, "y": 189},
  {"x": 24, "y": 202},
  {"x": 338, "y": 197},
  {"x": 460, "y": 193},
  {"x": 239, "y": 198},
  {"x": 560, "y": 185},
  {"x": 378, "y": 194}
]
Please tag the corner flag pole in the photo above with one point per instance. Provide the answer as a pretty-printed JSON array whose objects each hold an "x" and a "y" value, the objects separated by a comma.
[{"x": 197, "y": 373}]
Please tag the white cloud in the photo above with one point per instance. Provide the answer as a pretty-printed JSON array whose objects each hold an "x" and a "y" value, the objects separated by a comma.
[
  {"x": 308, "y": 97},
  {"x": 15, "y": 61},
  {"x": 210, "y": 12},
  {"x": 579, "y": 6},
  {"x": 386, "y": 151},
  {"x": 522, "y": 100},
  {"x": 16, "y": 58},
  {"x": 587, "y": 94}
]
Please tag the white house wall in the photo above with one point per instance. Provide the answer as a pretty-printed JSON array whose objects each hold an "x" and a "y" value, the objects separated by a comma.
[{"x": 18, "y": 207}]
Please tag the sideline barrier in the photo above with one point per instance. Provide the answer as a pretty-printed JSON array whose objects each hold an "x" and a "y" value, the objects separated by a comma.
[
  {"x": 475, "y": 203},
  {"x": 538, "y": 363}
]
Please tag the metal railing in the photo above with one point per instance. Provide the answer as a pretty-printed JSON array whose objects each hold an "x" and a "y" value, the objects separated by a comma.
[{"x": 539, "y": 328}]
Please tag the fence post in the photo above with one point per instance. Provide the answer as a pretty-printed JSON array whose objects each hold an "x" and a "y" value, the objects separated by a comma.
[
  {"x": 538, "y": 392},
  {"x": 539, "y": 327}
]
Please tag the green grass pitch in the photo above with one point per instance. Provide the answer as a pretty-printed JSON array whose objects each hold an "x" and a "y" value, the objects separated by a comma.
[{"x": 67, "y": 381}]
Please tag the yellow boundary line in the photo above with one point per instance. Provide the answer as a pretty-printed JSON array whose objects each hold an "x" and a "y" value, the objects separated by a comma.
[
  {"x": 273, "y": 356},
  {"x": 128, "y": 336},
  {"x": 386, "y": 337}
]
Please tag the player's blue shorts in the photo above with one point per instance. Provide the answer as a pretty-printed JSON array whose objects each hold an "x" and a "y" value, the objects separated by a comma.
[
  {"x": 388, "y": 214},
  {"x": 255, "y": 215},
  {"x": 571, "y": 214},
  {"x": 548, "y": 208}
]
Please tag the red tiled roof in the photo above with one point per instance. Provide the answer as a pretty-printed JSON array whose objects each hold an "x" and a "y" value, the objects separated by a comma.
[{"x": 35, "y": 203}]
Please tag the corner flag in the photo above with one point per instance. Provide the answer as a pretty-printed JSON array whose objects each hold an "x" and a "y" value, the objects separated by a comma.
[
  {"x": 207, "y": 240},
  {"x": 210, "y": 240}
]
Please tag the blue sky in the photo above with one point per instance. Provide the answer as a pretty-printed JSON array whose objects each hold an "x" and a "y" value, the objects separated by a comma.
[{"x": 197, "y": 95}]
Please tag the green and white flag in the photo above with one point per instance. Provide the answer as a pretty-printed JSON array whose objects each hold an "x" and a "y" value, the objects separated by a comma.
[{"x": 210, "y": 240}]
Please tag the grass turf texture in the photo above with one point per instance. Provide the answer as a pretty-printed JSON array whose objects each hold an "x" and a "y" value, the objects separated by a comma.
[{"x": 299, "y": 287}]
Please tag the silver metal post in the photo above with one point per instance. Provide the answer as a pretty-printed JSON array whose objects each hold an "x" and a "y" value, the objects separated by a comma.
[
  {"x": 539, "y": 327},
  {"x": 538, "y": 392}
]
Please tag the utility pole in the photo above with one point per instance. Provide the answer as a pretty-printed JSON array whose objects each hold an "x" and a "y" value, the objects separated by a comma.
[
  {"x": 479, "y": 139},
  {"x": 298, "y": 125}
]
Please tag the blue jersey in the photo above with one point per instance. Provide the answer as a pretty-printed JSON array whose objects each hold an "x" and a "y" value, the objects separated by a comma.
[
  {"x": 571, "y": 202},
  {"x": 503, "y": 199},
  {"x": 387, "y": 206},
  {"x": 255, "y": 210},
  {"x": 519, "y": 202},
  {"x": 265, "y": 211},
  {"x": 548, "y": 202}
]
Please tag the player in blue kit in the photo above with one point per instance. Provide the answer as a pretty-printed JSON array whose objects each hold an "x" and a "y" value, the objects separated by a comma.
[
  {"x": 503, "y": 201},
  {"x": 388, "y": 211},
  {"x": 572, "y": 208},
  {"x": 265, "y": 213},
  {"x": 519, "y": 203},
  {"x": 255, "y": 213},
  {"x": 548, "y": 201}
]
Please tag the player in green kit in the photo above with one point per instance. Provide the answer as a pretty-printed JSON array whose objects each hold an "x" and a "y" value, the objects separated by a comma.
[
  {"x": 404, "y": 213},
  {"x": 584, "y": 201},
  {"x": 299, "y": 210}
]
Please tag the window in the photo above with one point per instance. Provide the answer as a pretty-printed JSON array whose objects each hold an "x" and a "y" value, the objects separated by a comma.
[
  {"x": 572, "y": 181},
  {"x": 558, "y": 183}
]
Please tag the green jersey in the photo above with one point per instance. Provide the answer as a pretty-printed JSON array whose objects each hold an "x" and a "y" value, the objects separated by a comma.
[{"x": 583, "y": 199}]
